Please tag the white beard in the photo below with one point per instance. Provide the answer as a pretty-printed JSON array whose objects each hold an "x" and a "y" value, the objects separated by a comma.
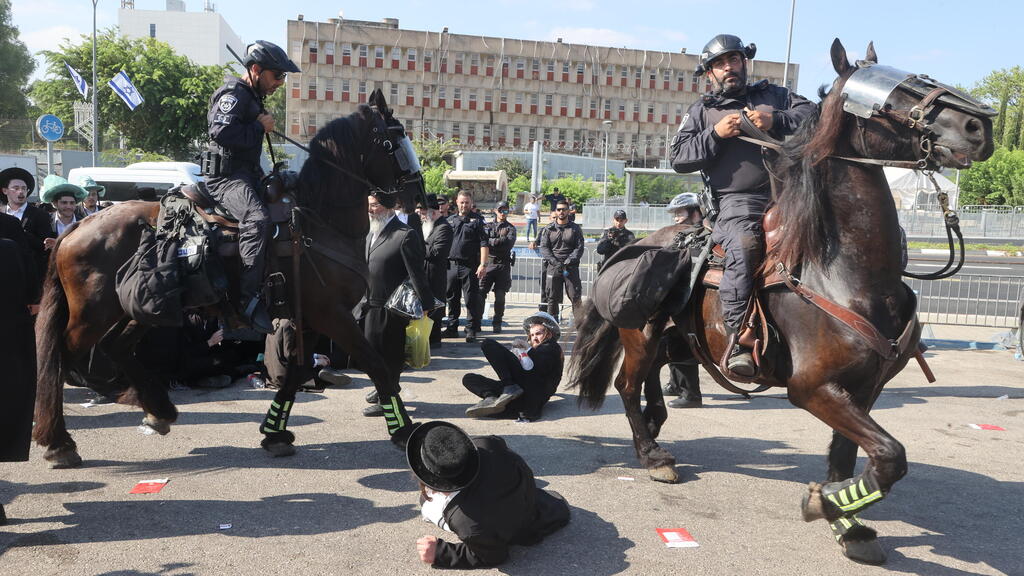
[
  {"x": 427, "y": 226},
  {"x": 377, "y": 222}
]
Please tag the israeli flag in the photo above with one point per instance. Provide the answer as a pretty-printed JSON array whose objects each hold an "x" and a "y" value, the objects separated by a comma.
[
  {"x": 79, "y": 81},
  {"x": 126, "y": 90}
]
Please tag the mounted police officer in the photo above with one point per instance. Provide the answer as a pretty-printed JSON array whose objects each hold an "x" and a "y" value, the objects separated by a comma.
[
  {"x": 733, "y": 169},
  {"x": 501, "y": 238},
  {"x": 238, "y": 122}
]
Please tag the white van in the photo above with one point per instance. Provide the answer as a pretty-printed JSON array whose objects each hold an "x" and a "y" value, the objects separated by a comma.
[{"x": 124, "y": 183}]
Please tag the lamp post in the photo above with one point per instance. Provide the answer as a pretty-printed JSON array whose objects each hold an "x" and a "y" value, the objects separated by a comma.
[
  {"x": 95, "y": 91},
  {"x": 789, "y": 44},
  {"x": 607, "y": 125}
]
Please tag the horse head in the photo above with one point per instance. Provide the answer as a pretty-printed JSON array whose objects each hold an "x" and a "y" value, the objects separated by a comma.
[
  {"x": 910, "y": 117},
  {"x": 401, "y": 164}
]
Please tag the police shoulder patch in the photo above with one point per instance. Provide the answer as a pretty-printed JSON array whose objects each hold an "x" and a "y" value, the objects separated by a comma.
[{"x": 227, "y": 103}]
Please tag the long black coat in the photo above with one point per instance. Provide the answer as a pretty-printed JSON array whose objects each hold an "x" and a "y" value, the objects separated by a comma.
[
  {"x": 438, "y": 247},
  {"x": 17, "y": 341},
  {"x": 37, "y": 226},
  {"x": 396, "y": 255},
  {"x": 503, "y": 506}
]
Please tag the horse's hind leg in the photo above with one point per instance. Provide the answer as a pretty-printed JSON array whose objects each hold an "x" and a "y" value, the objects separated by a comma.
[
  {"x": 636, "y": 364},
  {"x": 119, "y": 344}
]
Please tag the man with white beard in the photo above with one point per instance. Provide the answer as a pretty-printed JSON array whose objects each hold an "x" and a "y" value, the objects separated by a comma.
[
  {"x": 437, "y": 234},
  {"x": 394, "y": 253}
]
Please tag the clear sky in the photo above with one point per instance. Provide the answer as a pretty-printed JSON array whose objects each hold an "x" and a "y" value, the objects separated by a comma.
[{"x": 955, "y": 41}]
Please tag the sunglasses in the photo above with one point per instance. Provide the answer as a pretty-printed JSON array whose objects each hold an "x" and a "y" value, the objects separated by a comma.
[
  {"x": 560, "y": 209},
  {"x": 278, "y": 75}
]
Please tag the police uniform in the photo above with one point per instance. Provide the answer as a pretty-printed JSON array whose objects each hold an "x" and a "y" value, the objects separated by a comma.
[
  {"x": 501, "y": 237},
  {"x": 468, "y": 236},
  {"x": 561, "y": 247},
  {"x": 612, "y": 241},
  {"x": 735, "y": 171},
  {"x": 238, "y": 136}
]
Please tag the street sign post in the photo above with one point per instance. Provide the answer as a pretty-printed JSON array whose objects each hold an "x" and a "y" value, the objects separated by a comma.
[{"x": 51, "y": 129}]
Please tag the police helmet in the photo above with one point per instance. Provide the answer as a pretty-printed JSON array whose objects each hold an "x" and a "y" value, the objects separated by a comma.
[
  {"x": 681, "y": 201},
  {"x": 269, "y": 56},
  {"x": 723, "y": 44}
]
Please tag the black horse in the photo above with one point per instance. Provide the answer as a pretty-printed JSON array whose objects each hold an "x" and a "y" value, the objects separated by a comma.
[
  {"x": 839, "y": 230},
  {"x": 349, "y": 157}
]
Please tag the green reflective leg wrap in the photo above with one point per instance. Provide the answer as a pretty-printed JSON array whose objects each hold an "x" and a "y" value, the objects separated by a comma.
[
  {"x": 277, "y": 417},
  {"x": 852, "y": 495},
  {"x": 851, "y": 526},
  {"x": 394, "y": 413}
]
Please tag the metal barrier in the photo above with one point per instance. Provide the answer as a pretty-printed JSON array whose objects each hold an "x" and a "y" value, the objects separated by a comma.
[{"x": 964, "y": 300}]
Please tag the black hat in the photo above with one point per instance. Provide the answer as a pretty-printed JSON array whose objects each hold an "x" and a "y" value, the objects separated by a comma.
[
  {"x": 502, "y": 206},
  {"x": 431, "y": 203},
  {"x": 619, "y": 215},
  {"x": 442, "y": 456},
  {"x": 15, "y": 173},
  {"x": 269, "y": 56}
]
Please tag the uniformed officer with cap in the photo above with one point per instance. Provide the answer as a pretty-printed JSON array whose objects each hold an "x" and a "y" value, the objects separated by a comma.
[
  {"x": 466, "y": 266},
  {"x": 501, "y": 238},
  {"x": 733, "y": 169},
  {"x": 615, "y": 237},
  {"x": 238, "y": 123}
]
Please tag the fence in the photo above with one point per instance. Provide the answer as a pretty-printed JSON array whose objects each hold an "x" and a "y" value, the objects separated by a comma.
[
  {"x": 963, "y": 300},
  {"x": 998, "y": 223}
]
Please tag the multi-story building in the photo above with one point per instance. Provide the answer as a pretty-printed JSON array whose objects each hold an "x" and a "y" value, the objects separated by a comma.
[
  {"x": 201, "y": 36},
  {"x": 498, "y": 93}
]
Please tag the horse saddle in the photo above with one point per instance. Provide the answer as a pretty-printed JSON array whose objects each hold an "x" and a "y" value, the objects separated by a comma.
[
  {"x": 226, "y": 225},
  {"x": 767, "y": 276}
]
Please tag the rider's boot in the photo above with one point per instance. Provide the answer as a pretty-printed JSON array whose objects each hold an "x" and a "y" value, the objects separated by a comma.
[
  {"x": 255, "y": 310},
  {"x": 741, "y": 358}
]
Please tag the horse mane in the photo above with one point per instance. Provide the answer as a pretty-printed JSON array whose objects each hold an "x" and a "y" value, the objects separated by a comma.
[
  {"x": 804, "y": 207},
  {"x": 322, "y": 186}
]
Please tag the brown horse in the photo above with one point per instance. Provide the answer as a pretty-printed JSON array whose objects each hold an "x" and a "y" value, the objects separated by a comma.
[
  {"x": 839, "y": 225},
  {"x": 80, "y": 309}
]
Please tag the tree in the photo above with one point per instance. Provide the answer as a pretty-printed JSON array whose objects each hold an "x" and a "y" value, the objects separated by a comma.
[
  {"x": 1004, "y": 89},
  {"x": 433, "y": 179},
  {"x": 435, "y": 151},
  {"x": 575, "y": 188},
  {"x": 996, "y": 181},
  {"x": 513, "y": 167},
  {"x": 16, "y": 65},
  {"x": 519, "y": 185},
  {"x": 171, "y": 121}
]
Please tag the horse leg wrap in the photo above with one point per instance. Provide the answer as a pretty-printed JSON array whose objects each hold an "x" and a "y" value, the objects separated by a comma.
[
  {"x": 394, "y": 413},
  {"x": 853, "y": 495},
  {"x": 851, "y": 528},
  {"x": 277, "y": 417}
]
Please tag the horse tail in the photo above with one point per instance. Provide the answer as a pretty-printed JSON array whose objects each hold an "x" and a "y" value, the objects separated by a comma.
[
  {"x": 595, "y": 353},
  {"x": 50, "y": 326}
]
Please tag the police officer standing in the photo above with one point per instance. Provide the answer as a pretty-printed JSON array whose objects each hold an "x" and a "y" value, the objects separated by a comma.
[
  {"x": 561, "y": 247},
  {"x": 733, "y": 169},
  {"x": 615, "y": 237},
  {"x": 238, "y": 122},
  {"x": 466, "y": 266},
  {"x": 501, "y": 238}
]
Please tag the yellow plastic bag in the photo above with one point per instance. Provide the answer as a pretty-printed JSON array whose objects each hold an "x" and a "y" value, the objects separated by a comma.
[{"x": 417, "y": 342}]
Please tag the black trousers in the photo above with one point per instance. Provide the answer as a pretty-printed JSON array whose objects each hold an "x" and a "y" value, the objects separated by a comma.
[
  {"x": 238, "y": 194},
  {"x": 684, "y": 376},
  {"x": 386, "y": 333},
  {"x": 738, "y": 229},
  {"x": 462, "y": 282},
  {"x": 498, "y": 279},
  {"x": 559, "y": 283}
]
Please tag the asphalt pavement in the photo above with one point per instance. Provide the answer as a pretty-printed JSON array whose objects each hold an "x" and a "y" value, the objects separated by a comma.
[{"x": 346, "y": 502}]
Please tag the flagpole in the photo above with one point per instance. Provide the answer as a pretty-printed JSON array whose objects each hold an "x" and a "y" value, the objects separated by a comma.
[{"x": 95, "y": 91}]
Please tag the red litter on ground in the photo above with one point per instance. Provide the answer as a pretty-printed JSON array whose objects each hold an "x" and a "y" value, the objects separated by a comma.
[
  {"x": 987, "y": 427},
  {"x": 149, "y": 486},
  {"x": 677, "y": 538}
]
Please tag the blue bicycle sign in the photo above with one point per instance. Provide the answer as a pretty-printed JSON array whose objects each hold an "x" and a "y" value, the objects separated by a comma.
[{"x": 50, "y": 127}]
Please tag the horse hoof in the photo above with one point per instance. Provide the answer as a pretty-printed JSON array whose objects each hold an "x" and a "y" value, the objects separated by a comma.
[
  {"x": 811, "y": 506},
  {"x": 666, "y": 474},
  {"x": 864, "y": 551},
  {"x": 62, "y": 458},
  {"x": 153, "y": 425},
  {"x": 279, "y": 449}
]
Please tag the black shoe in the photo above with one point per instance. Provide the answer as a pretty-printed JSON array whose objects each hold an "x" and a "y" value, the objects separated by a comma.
[
  {"x": 496, "y": 326},
  {"x": 682, "y": 402},
  {"x": 450, "y": 332},
  {"x": 470, "y": 335},
  {"x": 670, "y": 390},
  {"x": 374, "y": 411},
  {"x": 334, "y": 377},
  {"x": 510, "y": 393},
  {"x": 372, "y": 397},
  {"x": 485, "y": 407},
  {"x": 741, "y": 361}
]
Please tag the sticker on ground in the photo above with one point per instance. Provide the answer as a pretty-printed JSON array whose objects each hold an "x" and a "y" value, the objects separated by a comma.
[{"x": 677, "y": 538}]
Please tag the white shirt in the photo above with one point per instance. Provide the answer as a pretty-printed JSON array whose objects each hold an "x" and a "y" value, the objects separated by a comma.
[
  {"x": 20, "y": 213},
  {"x": 532, "y": 211},
  {"x": 433, "y": 509},
  {"x": 61, "y": 227}
]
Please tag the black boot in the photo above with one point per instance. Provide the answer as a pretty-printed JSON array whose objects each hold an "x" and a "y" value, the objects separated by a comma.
[
  {"x": 255, "y": 310},
  {"x": 741, "y": 358}
]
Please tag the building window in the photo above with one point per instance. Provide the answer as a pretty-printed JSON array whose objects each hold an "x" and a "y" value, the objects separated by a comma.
[
  {"x": 487, "y": 97},
  {"x": 471, "y": 131},
  {"x": 534, "y": 99},
  {"x": 579, "y": 69},
  {"x": 519, "y": 98},
  {"x": 396, "y": 53},
  {"x": 346, "y": 50},
  {"x": 610, "y": 72},
  {"x": 363, "y": 51},
  {"x": 474, "y": 60},
  {"x": 152, "y": 30},
  {"x": 504, "y": 97},
  {"x": 565, "y": 67},
  {"x": 394, "y": 92},
  {"x": 472, "y": 97},
  {"x": 346, "y": 86},
  {"x": 625, "y": 72},
  {"x": 378, "y": 52},
  {"x": 411, "y": 55},
  {"x": 487, "y": 131},
  {"x": 564, "y": 101},
  {"x": 313, "y": 50},
  {"x": 667, "y": 75},
  {"x": 551, "y": 66},
  {"x": 520, "y": 65},
  {"x": 410, "y": 91},
  {"x": 517, "y": 132},
  {"x": 362, "y": 87},
  {"x": 548, "y": 100},
  {"x": 547, "y": 134},
  {"x": 329, "y": 48}
]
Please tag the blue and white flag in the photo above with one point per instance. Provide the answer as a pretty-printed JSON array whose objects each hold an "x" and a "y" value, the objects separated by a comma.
[
  {"x": 126, "y": 90},
  {"x": 79, "y": 81}
]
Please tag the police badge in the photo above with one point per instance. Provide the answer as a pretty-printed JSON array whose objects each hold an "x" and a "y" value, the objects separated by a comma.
[{"x": 227, "y": 103}]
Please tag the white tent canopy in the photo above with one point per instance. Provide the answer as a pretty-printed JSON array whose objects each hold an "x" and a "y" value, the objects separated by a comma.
[{"x": 911, "y": 188}]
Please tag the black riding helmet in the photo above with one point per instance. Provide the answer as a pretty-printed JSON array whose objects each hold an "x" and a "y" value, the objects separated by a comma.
[
  {"x": 723, "y": 44},
  {"x": 269, "y": 56}
]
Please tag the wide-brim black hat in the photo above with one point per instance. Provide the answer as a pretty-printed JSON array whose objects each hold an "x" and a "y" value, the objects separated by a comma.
[
  {"x": 442, "y": 456},
  {"x": 15, "y": 173},
  {"x": 546, "y": 320},
  {"x": 430, "y": 204}
]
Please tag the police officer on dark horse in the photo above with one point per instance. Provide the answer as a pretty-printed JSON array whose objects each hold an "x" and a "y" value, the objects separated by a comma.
[{"x": 238, "y": 122}]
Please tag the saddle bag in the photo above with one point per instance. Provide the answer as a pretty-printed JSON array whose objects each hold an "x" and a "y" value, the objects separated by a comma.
[
  {"x": 203, "y": 279},
  {"x": 635, "y": 281},
  {"x": 148, "y": 285}
]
